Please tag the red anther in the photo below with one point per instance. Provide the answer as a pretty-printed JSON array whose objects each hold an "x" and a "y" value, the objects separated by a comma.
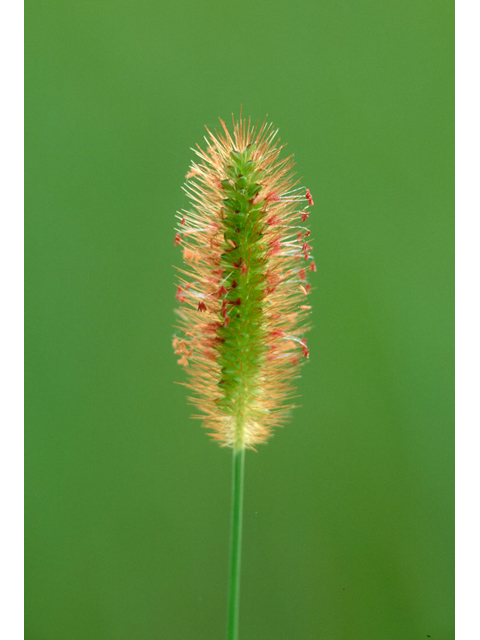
[
  {"x": 273, "y": 278},
  {"x": 272, "y": 196},
  {"x": 300, "y": 235},
  {"x": 177, "y": 240},
  {"x": 183, "y": 221},
  {"x": 238, "y": 264},
  {"x": 276, "y": 246},
  {"x": 277, "y": 333},
  {"x": 313, "y": 266},
  {"x": 234, "y": 284},
  {"x": 306, "y": 352},
  {"x": 308, "y": 286},
  {"x": 244, "y": 269},
  {"x": 226, "y": 321},
  {"x": 201, "y": 306},
  {"x": 307, "y": 233},
  {"x": 304, "y": 216},
  {"x": 224, "y": 308},
  {"x": 179, "y": 295},
  {"x": 306, "y": 255},
  {"x": 273, "y": 220},
  {"x": 211, "y": 327},
  {"x": 302, "y": 275},
  {"x": 222, "y": 291},
  {"x": 306, "y": 247},
  {"x": 236, "y": 302},
  {"x": 217, "y": 273},
  {"x": 308, "y": 196}
]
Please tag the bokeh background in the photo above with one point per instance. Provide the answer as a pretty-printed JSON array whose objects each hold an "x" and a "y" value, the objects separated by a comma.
[{"x": 349, "y": 510}]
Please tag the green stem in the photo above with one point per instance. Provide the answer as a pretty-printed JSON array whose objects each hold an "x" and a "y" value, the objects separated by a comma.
[{"x": 236, "y": 543}]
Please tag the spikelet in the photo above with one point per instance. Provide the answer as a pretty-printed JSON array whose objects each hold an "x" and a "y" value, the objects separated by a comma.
[{"x": 243, "y": 293}]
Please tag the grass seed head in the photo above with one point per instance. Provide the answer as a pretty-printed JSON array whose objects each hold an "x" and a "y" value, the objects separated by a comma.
[{"x": 243, "y": 290}]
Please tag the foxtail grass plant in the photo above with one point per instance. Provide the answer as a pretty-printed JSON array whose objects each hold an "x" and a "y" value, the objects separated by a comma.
[{"x": 243, "y": 297}]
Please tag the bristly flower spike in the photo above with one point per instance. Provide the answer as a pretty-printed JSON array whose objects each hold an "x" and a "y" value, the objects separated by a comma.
[{"x": 243, "y": 290}]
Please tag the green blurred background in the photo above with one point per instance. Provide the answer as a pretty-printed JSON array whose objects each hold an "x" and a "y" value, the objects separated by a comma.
[{"x": 349, "y": 509}]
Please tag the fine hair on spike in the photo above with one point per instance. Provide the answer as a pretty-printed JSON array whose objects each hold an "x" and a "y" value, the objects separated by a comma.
[{"x": 242, "y": 290}]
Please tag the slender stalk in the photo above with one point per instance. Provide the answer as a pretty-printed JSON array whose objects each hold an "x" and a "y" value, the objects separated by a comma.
[{"x": 236, "y": 542}]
